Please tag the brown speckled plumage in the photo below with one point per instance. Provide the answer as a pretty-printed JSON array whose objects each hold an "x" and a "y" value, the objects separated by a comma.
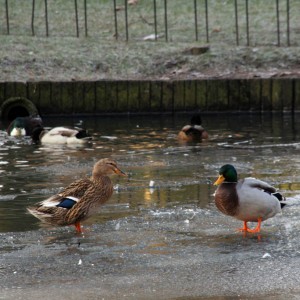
[{"x": 89, "y": 193}]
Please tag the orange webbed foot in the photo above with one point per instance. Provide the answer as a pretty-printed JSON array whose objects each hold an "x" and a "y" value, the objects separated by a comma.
[
  {"x": 255, "y": 230},
  {"x": 245, "y": 228}
]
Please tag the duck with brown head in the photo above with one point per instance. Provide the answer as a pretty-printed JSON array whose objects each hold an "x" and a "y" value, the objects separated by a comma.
[{"x": 80, "y": 199}]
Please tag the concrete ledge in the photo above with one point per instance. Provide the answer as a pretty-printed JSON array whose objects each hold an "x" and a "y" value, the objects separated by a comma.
[{"x": 102, "y": 97}]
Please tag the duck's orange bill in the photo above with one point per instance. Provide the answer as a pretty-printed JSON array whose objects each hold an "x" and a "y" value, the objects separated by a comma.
[
  {"x": 220, "y": 179},
  {"x": 120, "y": 172}
]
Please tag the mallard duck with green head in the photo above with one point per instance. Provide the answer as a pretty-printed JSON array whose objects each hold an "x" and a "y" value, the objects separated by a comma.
[
  {"x": 79, "y": 200},
  {"x": 248, "y": 199},
  {"x": 22, "y": 126}
]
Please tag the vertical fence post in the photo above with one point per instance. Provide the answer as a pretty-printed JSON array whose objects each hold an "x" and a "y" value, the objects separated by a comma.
[
  {"x": 116, "y": 19},
  {"x": 206, "y": 21},
  {"x": 155, "y": 19},
  {"x": 126, "y": 19},
  {"x": 85, "y": 19},
  {"x": 32, "y": 17},
  {"x": 278, "y": 23},
  {"x": 46, "y": 18},
  {"x": 196, "y": 19},
  {"x": 166, "y": 20},
  {"x": 247, "y": 22},
  {"x": 7, "y": 16},
  {"x": 288, "y": 22},
  {"x": 155, "y": 12},
  {"x": 76, "y": 18},
  {"x": 236, "y": 13}
]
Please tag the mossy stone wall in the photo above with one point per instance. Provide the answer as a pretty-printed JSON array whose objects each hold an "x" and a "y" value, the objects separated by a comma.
[{"x": 101, "y": 97}]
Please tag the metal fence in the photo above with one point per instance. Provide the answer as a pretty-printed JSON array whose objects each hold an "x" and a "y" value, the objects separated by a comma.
[{"x": 239, "y": 22}]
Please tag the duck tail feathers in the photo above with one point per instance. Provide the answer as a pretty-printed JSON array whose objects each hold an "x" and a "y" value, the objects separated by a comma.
[
  {"x": 282, "y": 205},
  {"x": 281, "y": 199},
  {"x": 279, "y": 196},
  {"x": 44, "y": 217},
  {"x": 83, "y": 134}
]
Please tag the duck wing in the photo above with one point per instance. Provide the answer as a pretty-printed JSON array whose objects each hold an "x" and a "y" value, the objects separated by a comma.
[
  {"x": 255, "y": 183},
  {"x": 256, "y": 199},
  {"x": 97, "y": 193},
  {"x": 73, "y": 192},
  {"x": 63, "y": 131},
  {"x": 259, "y": 184},
  {"x": 186, "y": 128},
  {"x": 67, "y": 135},
  {"x": 54, "y": 209},
  {"x": 196, "y": 132},
  {"x": 77, "y": 188}
]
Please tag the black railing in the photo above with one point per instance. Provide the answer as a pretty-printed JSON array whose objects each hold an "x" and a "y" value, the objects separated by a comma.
[{"x": 239, "y": 22}]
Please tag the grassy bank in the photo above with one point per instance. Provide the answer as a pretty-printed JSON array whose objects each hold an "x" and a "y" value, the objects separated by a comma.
[
  {"x": 63, "y": 56},
  {"x": 32, "y": 58}
]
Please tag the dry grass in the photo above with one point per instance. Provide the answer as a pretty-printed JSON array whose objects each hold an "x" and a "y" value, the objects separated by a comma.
[{"x": 62, "y": 56}]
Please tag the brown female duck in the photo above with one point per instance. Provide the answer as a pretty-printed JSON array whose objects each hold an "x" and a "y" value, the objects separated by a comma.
[{"x": 80, "y": 199}]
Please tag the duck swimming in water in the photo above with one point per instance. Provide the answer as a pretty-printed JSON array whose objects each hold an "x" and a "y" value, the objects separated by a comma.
[
  {"x": 60, "y": 135},
  {"x": 248, "y": 199},
  {"x": 22, "y": 126},
  {"x": 193, "y": 132}
]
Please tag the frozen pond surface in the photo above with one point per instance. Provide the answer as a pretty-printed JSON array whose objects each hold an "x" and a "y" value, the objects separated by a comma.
[{"x": 165, "y": 242}]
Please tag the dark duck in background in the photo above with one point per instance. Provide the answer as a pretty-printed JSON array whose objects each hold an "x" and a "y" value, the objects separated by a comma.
[{"x": 193, "y": 132}]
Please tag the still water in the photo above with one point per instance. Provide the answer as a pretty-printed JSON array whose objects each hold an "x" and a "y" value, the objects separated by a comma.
[{"x": 174, "y": 224}]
